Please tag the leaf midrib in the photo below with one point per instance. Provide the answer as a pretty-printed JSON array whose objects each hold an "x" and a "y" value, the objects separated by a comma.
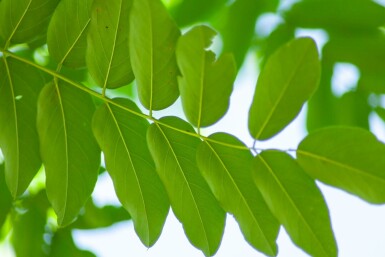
[
  {"x": 187, "y": 183},
  {"x": 269, "y": 168}
]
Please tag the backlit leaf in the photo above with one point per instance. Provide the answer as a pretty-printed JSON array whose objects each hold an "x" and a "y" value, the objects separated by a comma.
[
  {"x": 348, "y": 158},
  {"x": 205, "y": 84},
  {"x": 191, "y": 200},
  {"x": 19, "y": 88},
  {"x": 24, "y": 20},
  {"x": 69, "y": 151},
  {"x": 5, "y": 198},
  {"x": 108, "y": 58},
  {"x": 153, "y": 36},
  {"x": 228, "y": 173},
  {"x": 63, "y": 245},
  {"x": 67, "y": 38},
  {"x": 296, "y": 202},
  {"x": 122, "y": 137},
  {"x": 289, "y": 78}
]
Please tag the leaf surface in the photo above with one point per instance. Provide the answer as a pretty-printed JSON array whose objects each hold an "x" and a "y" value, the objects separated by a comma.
[
  {"x": 228, "y": 173},
  {"x": 191, "y": 200},
  {"x": 108, "y": 57},
  {"x": 289, "y": 78},
  {"x": 24, "y": 20},
  {"x": 295, "y": 200},
  {"x": 205, "y": 84},
  {"x": 63, "y": 245},
  {"x": 348, "y": 158},
  {"x": 19, "y": 88},
  {"x": 5, "y": 198},
  {"x": 67, "y": 32},
  {"x": 122, "y": 137},
  {"x": 153, "y": 36},
  {"x": 69, "y": 151}
]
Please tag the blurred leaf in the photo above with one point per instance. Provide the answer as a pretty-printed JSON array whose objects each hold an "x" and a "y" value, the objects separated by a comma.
[
  {"x": 238, "y": 25},
  {"x": 381, "y": 113},
  {"x": 108, "y": 58},
  {"x": 353, "y": 109},
  {"x": 289, "y": 78},
  {"x": 5, "y": 198},
  {"x": 153, "y": 36},
  {"x": 296, "y": 201},
  {"x": 205, "y": 84},
  {"x": 19, "y": 88},
  {"x": 191, "y": 200},
  {"x": 122, "y": 137},
  {"x": 25, "y": 20},
  {"x": 348, "y": 158},
  {"x": 372, "y": 82},
  {"x": 228, "y": 173},
  {"x": 340, "y": 15},
  {"x": 187, "y": 12},
  {"x": 67, "y": 38},
  {"x": 69, "y": 151},
  {"x": 100, "y": 217},
  {"x": 29, "y": 227},
  {"x": 63, "y": 245}
]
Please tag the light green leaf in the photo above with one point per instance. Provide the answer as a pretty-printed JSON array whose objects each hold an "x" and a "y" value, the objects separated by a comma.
[
  {"x": 348, "y": 158},
  {"x": 352, "y": 109},
  {"x": 122, "y": 137},
  {"x": 24, "y": 20},
  {"x": 153, "y": 36},
  {"x": 191, "y": 199},
  {"x": 289, "y": 78},
  {"x": 69, "y": 151},
  {"x": 296, "y": 201},
  {"x": 67, "y": 38},
  {"x": 108, "y": 58},
  {"x": 205, "y": 84},
  {"x": 380, "y": 112},
  {"x": 19, "y": 88},
  {"x": 228, "y": 173},
  {"x": 63, "y": 245},
  {"x": 5, "y": 198}
]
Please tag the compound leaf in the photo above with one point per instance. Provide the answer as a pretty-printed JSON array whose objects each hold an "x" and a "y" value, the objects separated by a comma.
[{"x": 122, "y": 137}]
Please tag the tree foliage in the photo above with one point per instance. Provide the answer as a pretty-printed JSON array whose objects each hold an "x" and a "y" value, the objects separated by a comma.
[{"x": 83, "y": 79}]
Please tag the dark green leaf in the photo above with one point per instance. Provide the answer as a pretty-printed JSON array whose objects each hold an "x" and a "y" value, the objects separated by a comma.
[
  {"x": 153, "y": 36},
  {"x": 353, "y": 109},
  {"x": 228, "y": 173},
  {"x": 63, "y": 245},
  {"x": 122, "y": 137},
  {"x": 296, "y": 201},
  {"x": 108, "y": 58},
  {"x": 205, "y": 84},
  {"x": 348, "y": 158},
  {"x": 100, "y": 217},
  {"x": 19, "y": 88},
  {"x": 69, "y": 151},
  {"x": 289, "y": 78},
  {"x": 191, "y": 199},
  {"x": 5, "y": 198},
  {"x": 24, "y": 20},
  {"x": 337, "y": 14},
  {"x": 67, "y": 38}
]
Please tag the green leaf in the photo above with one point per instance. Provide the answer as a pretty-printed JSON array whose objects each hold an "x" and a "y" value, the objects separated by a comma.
[
  {"x": 348, "y": 158},
  {"x": 67, "y": 38},
  {"x": 380, "y": 112},
  {"x": 205, "y": 84},
  {"x": 228, "y": 173},
  {"x": 5, "y": 198},
  {"x": 153, "y": 36},
  {"x": 63, "y": 245},
  {"x": 28, "y": 227},
  {"x": 191, "y": 200},
  {"x": 24, "y": 20},
  {"x": 100, "y": 217},
  {"x": 19, "y": 88},
  {"x": 108, "y": 58},
  {"x": 296, "y": 201},
  {"x": 289, "y": 78},
  {"x": 69, "y": 151},
  {"x": 341, "y": 15},
  {"x": 122, "y": 137},
  {"x": 353, "y": 109}
]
